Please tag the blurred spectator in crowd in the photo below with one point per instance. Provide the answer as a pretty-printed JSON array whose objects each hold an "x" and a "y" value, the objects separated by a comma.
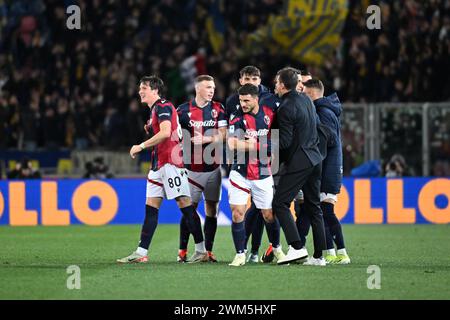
[
  {"x": 31, "y": 125},
  {"x": 441, "y": 168},
  {"x": 97, "y": 169},
  {"x": 24, "y": 170},
  {"x": 134, "y": 122},
  {"x": 397, "y": 167},
  {"x": 407, "y": 57},
  {"x": 82, "y": 122},
  {"x": 82, "y": 83},
  {"x": 4, "y": 122},
  {"x": 50, "y": 128},
  {"x": 113, "y": 129},
  {"x": 94, "y": 72}
]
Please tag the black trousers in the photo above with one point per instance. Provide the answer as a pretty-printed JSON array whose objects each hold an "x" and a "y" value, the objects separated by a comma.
[{"x": 289, "y": 185}]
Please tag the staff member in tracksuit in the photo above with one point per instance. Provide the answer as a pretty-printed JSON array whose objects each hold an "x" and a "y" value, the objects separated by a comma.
[{"x": 328, "y": 109}]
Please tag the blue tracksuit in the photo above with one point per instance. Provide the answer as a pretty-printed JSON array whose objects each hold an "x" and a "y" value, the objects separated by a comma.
[{"x": 329, "y": 109}]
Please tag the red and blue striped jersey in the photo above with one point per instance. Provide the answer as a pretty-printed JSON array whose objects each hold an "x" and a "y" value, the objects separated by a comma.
[
  {"x": 169, "y": 150},
  {"x": 255, "y": 165},
  {"x": 205, "y": 120}
]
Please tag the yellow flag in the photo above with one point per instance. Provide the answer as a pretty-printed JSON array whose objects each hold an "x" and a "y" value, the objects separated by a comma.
[
  {"x": 309, "y": 31},
  {"x": 215, "y": 26}
]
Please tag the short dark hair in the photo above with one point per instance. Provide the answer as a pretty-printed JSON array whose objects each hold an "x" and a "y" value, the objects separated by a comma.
[
  {"x": 248, "y": 89},
  {"x": 203, "y": 77},
  {"x": 24, "y": 163},
  {"x": 305, "y": 72},
  {"x": 154, "y": 83},
  {"x": 250, "y": 70},
  {"x": 314, "y": 84},
  {"x": 289, "y": 77}
]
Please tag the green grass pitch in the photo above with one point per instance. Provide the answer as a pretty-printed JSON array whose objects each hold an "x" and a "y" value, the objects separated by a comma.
[{"x": 414, "y": 261}]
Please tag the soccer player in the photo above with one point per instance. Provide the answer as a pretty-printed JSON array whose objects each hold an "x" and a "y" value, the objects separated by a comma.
[
  {"x": 204, "y": 125},
  {"x": 254, "y": 223},
  {"x": 167, "y": 177},
  {"x": 329, "y": 109},
  {"x": 303, "y": 76},
  {"x": 268, "y": 256},
  {"x": 248, "y": 74},
  {"x": 249, "y": 136}
]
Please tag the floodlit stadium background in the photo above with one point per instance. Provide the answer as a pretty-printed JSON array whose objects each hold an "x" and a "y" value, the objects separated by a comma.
[
  {"x": 69, "y": 97},
  {"x": 69, "y": 106}
]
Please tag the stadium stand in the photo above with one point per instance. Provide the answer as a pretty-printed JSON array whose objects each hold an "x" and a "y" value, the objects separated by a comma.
[{"x": 77, "y": 90}]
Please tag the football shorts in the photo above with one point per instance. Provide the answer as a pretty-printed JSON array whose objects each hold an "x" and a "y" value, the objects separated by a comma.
[
  {"x": 207, "y": 183},
  {"x": 241, "y": 188},
  {"x": 169, "y": 182}
]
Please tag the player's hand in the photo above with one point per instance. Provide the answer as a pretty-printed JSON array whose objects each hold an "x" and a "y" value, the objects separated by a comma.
[
  {"x": 199, "y": 139},
  {"x": 232, "y": 142},
  {"x": 252, "y": 141},
  {"x": 250, "y": 138},
  {"x": 147, "y": 127},
  {"x": 135, "y": 150}
]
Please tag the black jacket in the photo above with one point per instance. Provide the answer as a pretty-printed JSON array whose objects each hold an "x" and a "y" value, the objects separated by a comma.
[{"x": 299, "y": 140}]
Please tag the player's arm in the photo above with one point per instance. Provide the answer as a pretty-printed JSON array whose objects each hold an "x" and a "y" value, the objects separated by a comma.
[
  {"x": 221, "y": 133},
  {"x": 164, "y": 133},
  {"x": 147, "y": 127},
  {"x": 219, "y": 137},
  {"x": 229, "y": 107},
  {"x": 216, "y": 138},
  {"x": 237, "y": 139},
  {"x": 242, "y": 145},
  {"x": 330, "y": 120},
  {"x": 223, "y": 126}
]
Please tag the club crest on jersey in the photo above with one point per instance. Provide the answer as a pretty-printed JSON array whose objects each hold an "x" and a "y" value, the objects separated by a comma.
[
  {"x": 214, "y": 113},
  {"x": 267, "y": 119}
]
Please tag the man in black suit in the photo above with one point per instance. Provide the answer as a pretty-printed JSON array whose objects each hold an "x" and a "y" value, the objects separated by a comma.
[{"x": 302, "y": 161}]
